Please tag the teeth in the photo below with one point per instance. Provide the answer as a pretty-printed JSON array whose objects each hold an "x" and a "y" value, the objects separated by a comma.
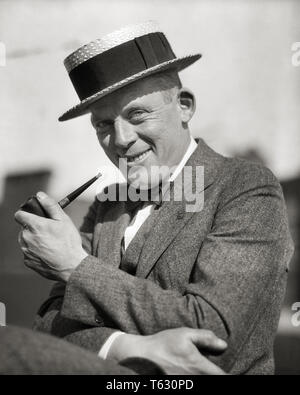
[{"x": 138, "y": 157}]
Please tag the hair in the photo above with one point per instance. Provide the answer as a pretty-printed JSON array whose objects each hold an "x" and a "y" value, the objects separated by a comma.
[
  {"x": 168, "y": 79},
  {"x": 169, "y": 82}
]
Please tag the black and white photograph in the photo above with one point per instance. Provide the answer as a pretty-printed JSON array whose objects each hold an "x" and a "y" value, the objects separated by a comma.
[{"x": 149, "y": 190}]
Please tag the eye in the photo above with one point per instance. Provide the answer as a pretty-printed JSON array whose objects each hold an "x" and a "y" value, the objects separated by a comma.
[
  {"x": 103, "y": 126},
  {"x": 137, "y": 115}
]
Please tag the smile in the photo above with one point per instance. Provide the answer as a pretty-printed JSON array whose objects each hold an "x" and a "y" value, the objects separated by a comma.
[{"x": 138, "y": 158}]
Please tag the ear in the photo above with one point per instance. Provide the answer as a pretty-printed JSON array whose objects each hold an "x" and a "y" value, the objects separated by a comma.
[{"x": 187, "y": 104}]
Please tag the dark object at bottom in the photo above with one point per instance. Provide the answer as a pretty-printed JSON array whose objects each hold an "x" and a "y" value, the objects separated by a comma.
[{"x": 24, "y": 352}]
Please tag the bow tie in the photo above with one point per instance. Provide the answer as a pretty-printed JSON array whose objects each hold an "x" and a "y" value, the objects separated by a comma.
[{"x": 137, "y": 197}]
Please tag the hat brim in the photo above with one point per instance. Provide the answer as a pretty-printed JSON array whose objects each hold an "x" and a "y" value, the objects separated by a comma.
[{"x": 82, "y": 108}]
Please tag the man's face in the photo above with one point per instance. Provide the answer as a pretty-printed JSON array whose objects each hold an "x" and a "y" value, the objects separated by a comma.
[{"x": 142, "y": 124}]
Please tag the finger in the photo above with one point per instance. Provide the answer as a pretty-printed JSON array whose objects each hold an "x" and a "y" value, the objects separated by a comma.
[
  {"x": 38, "y": 267},
  {"x": 28, "y": 255},
  {"x": 23, "y": 245},
  {"x": 21, "y": 240},
  {"x": 205, "y": 339},
  {"x": 51, "y": 206},
  {"x": 28, "y": 220},
  {"x": 21, "y": 218},
  {"x": 31, "y": 261}
]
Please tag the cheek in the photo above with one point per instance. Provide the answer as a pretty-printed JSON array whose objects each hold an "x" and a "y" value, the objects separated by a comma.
[
  {"x": 149, "y": 129},
  {"x": 162, "y": 132},
  {"x": 153, "y": 131},
  {"x": 173, "y": 120},
  {"x": 167, "y": 124}
]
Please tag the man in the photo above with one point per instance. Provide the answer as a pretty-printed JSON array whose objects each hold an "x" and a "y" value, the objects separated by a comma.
[
  {"x": 27, "y": 352},
  {"x": 169, "y": 262}
]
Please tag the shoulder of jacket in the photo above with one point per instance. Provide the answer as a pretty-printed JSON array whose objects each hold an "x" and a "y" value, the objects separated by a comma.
[{"x": 242, "y": 171}]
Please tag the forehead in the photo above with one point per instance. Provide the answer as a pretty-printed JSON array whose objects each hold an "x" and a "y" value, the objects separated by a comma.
[{"x": 147, "y": 91}]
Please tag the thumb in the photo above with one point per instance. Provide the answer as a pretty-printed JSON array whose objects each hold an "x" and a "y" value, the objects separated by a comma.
[{"x": 51, "y": 206}]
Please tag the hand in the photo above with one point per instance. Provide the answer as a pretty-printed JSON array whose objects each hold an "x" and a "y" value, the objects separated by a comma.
[
  {"x": 52, "y": 247},
  {"x": 177, "y": 351}
]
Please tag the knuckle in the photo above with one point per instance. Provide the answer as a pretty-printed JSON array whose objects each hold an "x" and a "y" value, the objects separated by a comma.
[
  {"x": 25, "y": 236},
  {"x": 180, "y": 331},
  {"x": 35, "y": 226}
]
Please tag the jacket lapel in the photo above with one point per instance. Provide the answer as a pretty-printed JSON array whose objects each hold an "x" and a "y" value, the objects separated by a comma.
[
  {"x": 115, "y": 221},
  {"x": 173, "y": 216}
]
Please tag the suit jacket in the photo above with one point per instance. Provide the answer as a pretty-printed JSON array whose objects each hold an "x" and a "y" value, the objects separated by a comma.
[{"x": 223, "y": 268}]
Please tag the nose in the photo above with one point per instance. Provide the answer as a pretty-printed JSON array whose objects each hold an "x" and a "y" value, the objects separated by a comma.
[{"x": 125, "y": 134}]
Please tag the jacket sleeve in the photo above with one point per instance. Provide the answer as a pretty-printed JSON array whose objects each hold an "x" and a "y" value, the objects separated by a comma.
[{"x": 49, "y": 319}]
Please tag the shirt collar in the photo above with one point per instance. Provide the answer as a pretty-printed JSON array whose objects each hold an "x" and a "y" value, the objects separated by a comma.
[
  {"x": 164, "y": 188},
  {"x": 190, "y": 150}
]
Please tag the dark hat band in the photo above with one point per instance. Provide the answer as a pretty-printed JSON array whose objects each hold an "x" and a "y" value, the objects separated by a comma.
[{"x": 119, "y": 63}]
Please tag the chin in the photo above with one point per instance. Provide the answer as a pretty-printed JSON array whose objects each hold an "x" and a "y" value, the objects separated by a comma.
[
  {"x": 147, "y": 176},
  {"x": 143, "y": 184}
]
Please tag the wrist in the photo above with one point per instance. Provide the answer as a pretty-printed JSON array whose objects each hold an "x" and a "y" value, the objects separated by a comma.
[
  {"x": 81, "y": 256},
  {"x": 127, "y": 346},
  {"x": 76, "y": 261}
]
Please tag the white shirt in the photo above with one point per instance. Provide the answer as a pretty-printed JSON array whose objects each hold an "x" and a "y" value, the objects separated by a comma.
[{"x": 141, "y": 216}]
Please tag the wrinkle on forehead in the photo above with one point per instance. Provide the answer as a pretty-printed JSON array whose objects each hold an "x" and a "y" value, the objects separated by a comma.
[{"x": 118, "y": 100}]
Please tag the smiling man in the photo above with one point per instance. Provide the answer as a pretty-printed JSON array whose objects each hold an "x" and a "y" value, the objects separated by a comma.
[
  {"x": 142, "y": 268},
  {"x": 146, "y": 123}
]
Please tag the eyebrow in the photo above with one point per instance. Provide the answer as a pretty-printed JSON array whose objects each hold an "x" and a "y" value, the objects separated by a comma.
[
  {"x": 130, "y": 107},
  {"x": 138, "y": 106}
]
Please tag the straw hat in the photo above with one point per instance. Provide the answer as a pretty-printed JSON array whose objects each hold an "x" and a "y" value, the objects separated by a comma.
[{"x": 118, "y": 59}]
